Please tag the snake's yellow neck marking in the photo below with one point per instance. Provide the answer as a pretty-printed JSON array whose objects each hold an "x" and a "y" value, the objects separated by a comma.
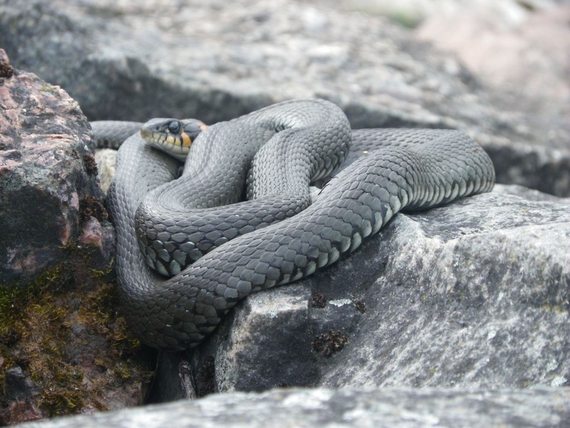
[{"x": 186, "y": 141}]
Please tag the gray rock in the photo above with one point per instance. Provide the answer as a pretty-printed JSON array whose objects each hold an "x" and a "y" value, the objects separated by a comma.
[
  {"x": 217, "y": 60},
  {"x": 473, "y": 295},
  {"x": 527, "y": 50},
  {"x": 106, "y": 160},
  {"x": 414, "y": 12},
  {"x": 389, "y": 407},
  {"x": 266, "y": 344},
  {"x": 538, "y": 167},
  {"x": 529, "y": 194}
]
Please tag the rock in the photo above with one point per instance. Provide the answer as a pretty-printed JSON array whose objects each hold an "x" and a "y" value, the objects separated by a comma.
[
  {"x": 47, "y": 179},
  {"x": 411, "y": 13},
  {"x": 63, "y": 348},
  {"x": 472, "y": 295},
  {"x": 542, "y": 168},
  {"x": 125, "y": 62},
  {"x": 528, "y": 51},
  {"x": 247, "y": 358},
  {"x": 389, "y": 407},
  {"x": 18, "y": 388},
  {"x": 106, "y": 160},
  {"x": 531, "y": 195}
]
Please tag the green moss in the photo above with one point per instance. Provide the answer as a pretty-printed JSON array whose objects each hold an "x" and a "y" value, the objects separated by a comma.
[
  {"x": 457, "y": 295},
  {"x": 404, "y": 19},
  {"x": 38, "y": 327},
  {"x": 46, "y": 87},
  {"x": 16, "y": 298},
  {"x": 28, "y": 338},
  {"x": 559, "y": 309},
  {"x": 95, "y": 313}
]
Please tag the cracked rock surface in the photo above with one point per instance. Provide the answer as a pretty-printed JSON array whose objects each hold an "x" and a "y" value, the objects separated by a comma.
[
  {"x": 215, "y": 60},
  {"x": 473, "y": 295}
]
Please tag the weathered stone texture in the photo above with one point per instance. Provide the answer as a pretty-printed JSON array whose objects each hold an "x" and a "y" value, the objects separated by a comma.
[
  {"x": 217, "y": 60},
  {"x": 390, "y": 408},
  {"x": 45, "y": 176}
]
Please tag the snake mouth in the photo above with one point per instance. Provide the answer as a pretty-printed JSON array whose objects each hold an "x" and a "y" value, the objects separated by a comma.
[{"x": 173, "y": 136}]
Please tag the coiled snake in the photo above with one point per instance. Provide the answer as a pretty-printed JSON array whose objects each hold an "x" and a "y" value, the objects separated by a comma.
[{"x": 244, "y": 247}]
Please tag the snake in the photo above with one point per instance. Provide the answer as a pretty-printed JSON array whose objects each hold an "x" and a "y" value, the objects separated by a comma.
[{"x": 240, "y": 218}]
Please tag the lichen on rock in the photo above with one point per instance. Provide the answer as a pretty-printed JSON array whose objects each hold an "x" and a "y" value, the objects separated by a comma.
[{"x": 63, "y": 347}]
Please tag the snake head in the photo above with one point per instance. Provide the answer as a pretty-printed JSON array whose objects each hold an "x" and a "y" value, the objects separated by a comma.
[{"x": 172, "y": 136}]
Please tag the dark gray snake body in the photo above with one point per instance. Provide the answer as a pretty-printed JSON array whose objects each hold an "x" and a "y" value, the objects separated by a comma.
[{"x": 288, "y": 146}]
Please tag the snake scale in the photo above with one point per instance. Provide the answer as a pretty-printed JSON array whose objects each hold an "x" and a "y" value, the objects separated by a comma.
[{"x": 217, "y": 250}]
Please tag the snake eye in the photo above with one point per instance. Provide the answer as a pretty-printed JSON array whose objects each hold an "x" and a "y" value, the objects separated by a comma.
[{"x": 174, "y": 127}]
